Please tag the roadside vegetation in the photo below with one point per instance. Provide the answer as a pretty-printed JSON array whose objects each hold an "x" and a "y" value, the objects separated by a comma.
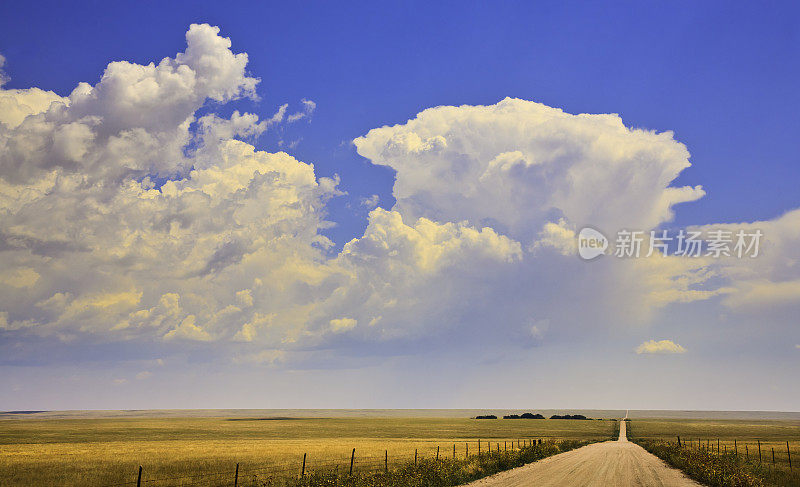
[
  {"x": 741, "y": 461},
  {"x": 430, "y": 472}
]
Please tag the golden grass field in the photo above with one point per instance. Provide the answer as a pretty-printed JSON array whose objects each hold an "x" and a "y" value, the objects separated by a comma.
[
  {"x": 108, "y": 451},
  {"x": 773, "y": 434}
]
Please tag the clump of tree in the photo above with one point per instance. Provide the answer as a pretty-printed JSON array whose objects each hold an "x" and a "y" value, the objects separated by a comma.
[
  {"x": 524, "y": 416},
  {"x": 568, "y": 416},
  {"x": 486, "y": 416}
]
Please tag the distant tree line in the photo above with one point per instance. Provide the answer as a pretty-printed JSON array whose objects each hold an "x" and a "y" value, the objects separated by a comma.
[
  {"x": 568, "y": 416},
  {"x": 524, "y": 416},
  {"x": 533, "y": 416}
]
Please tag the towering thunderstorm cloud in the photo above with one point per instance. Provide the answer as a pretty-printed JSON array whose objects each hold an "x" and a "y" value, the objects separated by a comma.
[{"x": 126, "y": 216}]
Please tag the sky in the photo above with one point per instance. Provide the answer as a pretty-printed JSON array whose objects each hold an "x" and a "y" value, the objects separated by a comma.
[{"x": 360, "y": 205}]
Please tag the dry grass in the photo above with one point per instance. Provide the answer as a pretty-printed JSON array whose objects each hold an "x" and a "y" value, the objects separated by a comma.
[
  {"x": 94, "y": 452},
  {"x": 772, "y": 434},
  {"x": 726, "y": 452}
]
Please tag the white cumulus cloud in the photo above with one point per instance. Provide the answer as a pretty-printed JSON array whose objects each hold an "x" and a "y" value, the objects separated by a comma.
[
  {"x": 518, "y": 164},
  {"x": 661, "y": 346}
]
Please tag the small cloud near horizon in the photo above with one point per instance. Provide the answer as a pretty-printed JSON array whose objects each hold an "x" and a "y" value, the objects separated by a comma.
[{"x": 662, "y": 346}]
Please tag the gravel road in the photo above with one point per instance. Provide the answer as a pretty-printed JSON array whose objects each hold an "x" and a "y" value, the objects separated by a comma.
[{"x": 612, "y": 463}]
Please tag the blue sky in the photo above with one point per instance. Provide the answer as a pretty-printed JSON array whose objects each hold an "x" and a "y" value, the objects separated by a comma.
[{"x": 721, "y": 75}]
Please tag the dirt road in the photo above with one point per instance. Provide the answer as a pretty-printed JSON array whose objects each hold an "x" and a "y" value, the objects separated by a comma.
[{"x": 612, "y": 463}]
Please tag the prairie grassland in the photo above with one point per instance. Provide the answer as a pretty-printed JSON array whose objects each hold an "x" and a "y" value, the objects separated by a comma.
[
  {"x": 96, "y": 452},
  {"x": 726, "y": 452}
]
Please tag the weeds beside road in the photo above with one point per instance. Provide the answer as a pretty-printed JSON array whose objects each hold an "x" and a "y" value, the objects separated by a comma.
[
  {"x": 431, "y": 472},
  {"x": 728, "y": 464}
]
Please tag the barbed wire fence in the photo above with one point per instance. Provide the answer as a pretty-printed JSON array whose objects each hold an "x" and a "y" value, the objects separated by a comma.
[
  {"x": 356, "y": 463},
  {"x": 744, "y": 450}
]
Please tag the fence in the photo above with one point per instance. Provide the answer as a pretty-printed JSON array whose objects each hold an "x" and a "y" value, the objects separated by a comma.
[
  {"x": 356, "y": 463},
  {"x": 741, "y": 448}
]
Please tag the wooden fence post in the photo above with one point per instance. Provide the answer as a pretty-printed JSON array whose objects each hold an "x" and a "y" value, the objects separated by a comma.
[
  {"x": 479, "y": 447},
  {"x": 415, "y": 457},
  {"x": 139, "y": 478},
  {"x": 437, "y": 453},
  {"x": 454, "y": 451},
  {"x": 352, "y": 460},
  {"x": 679, "y": 441},
  {"x": 773, "y": 456},
  {"x": 467, "y": 454},
  {"x": 789, "y": 454},
  {"x": 302, "y": 471},
  {"x": 759, "y": 452},
  {"x": 386, "y": 462},
  {"x": 746, "y": 452},
  {"x": 236, "y": 477},
  {"x": 735, "y": 449}
]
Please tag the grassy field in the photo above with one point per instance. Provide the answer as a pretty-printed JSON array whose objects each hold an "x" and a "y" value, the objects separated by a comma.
[
  {"x": 97, "y": 452},
  {"x": 731, "y": 445}
]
